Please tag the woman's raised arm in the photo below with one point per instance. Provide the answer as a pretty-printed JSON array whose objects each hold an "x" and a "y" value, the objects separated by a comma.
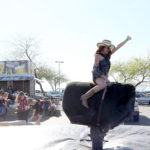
[{"x": 121, "y": 44}]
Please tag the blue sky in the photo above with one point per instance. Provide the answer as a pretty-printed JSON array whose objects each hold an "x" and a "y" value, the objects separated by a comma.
[{"x": 68, "y": 30}]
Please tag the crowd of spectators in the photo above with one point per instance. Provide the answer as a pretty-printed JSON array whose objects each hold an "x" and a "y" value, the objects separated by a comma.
[
  {"x": 24, "y": 105},
  {"x": 12, "y": 93}
]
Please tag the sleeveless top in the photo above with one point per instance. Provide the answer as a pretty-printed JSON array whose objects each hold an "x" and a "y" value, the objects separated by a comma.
[
  {"x": 102, "y": 68},
  {"x": 23, "y": 103}
]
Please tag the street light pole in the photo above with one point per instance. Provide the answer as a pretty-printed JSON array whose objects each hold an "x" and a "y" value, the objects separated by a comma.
[{"x": 59, "y": 62}]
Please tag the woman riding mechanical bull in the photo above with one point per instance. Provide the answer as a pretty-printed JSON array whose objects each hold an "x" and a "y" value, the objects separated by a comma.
[
  {"x": 101, "y": 67},
  {"x": 100, "y": 105}
]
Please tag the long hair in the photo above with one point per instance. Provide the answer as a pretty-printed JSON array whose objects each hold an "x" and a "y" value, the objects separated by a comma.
[
  {"x": 100, "y": 49},
  {"x": 18, "y": 98},
  {"x": 5, "y": 94},
  {"x": 2, "y": 94}
]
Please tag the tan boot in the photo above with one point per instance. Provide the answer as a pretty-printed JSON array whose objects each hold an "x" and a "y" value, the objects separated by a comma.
[{"x": 86, "y": 96}]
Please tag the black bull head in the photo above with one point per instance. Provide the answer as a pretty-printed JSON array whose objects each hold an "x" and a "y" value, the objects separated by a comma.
[{"x": 117, "y": 105}]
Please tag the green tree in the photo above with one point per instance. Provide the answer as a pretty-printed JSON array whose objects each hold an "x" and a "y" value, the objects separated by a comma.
[
  {"x": 135, "y": 71},
  {"x": 51, "y": 76}
]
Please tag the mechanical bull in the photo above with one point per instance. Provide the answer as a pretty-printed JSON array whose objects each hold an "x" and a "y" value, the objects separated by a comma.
[{"x": 101, "y": 116}]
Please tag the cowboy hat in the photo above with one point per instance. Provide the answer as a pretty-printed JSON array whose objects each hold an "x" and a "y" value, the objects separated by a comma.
[{"x": 106, "y": 43}]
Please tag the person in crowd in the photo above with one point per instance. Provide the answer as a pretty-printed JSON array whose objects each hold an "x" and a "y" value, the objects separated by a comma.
[
  {"x": 52, "y": 107},
  {"x": 22, "y": 105},
  {"x": 3, "y": 105},
  {"x": 5, "y": 97},
  {"x": 1, "y": 89},
  {"x": 101, "y": 68},
  {"x": 46, "y": 106},
  {"x": 37, "y": 111},
  {"x": 10, "y": 91}
]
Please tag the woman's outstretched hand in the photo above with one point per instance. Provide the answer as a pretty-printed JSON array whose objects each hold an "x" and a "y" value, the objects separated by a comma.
[{"x": 129, "y": 38}]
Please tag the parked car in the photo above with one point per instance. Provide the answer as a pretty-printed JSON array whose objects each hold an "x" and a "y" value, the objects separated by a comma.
[
  {"x": 61, "y": 95},
  {"x": 142, "y": 98},
  {"x": 54, "y": 94},
  {"x": 148, "y": 94},
  {"x": 38, "y": 94},
  {"x": 135, "y": 114}
]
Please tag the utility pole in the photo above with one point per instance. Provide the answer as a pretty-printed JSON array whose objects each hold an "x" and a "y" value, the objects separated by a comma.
[{"x": 59, "y": 62}]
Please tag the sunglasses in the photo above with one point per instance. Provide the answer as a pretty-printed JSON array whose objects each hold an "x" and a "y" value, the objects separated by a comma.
[{"x": 107, "y": 47}]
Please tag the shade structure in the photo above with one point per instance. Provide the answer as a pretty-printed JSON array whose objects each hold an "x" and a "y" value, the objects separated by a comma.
[{"x": 16, "y": 77}]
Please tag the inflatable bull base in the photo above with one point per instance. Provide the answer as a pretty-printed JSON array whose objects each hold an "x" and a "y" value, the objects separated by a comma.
[
  {"x": 101, "y": 116},
  {"x": 117, "y": 105}
]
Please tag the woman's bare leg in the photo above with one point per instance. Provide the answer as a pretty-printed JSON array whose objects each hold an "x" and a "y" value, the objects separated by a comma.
[
  {"x": 39, "y": 119},
  {"x": 101, "y": 84}
]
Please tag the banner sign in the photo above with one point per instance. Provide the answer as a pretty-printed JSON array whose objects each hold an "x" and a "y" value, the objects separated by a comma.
[{"x": 16, "y": 67}]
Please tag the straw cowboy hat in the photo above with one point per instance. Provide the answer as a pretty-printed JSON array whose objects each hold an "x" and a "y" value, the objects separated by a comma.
[{"x": 106, "y": 43}]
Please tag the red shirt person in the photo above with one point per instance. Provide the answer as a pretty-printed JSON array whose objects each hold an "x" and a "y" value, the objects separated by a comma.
[{"x": 22, "y": 105}]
